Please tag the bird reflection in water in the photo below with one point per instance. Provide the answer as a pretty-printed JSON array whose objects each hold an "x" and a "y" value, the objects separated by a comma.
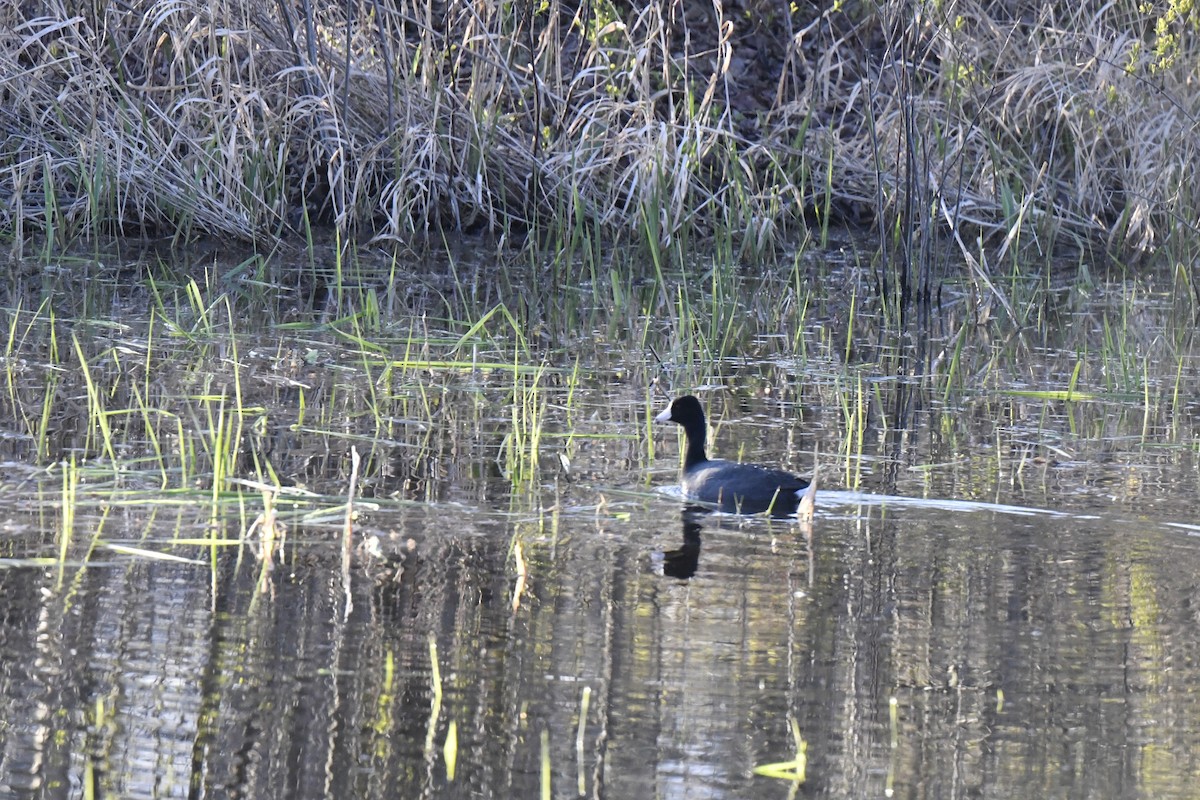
[{"x": 682, "y": 562}]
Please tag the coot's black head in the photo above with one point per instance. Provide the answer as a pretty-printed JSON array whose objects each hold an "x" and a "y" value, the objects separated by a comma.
[{"x": 685, "y": 411}]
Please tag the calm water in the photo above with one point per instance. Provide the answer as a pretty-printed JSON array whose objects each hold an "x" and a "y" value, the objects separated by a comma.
[{"x": 996, "y": 599}]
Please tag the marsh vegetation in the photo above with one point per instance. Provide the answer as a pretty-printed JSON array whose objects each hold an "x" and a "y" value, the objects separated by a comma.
[{"x": 746, "y": 122}]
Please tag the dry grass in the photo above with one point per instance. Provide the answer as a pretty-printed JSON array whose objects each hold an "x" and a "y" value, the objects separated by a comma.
[{"x": 231, "y": 119}]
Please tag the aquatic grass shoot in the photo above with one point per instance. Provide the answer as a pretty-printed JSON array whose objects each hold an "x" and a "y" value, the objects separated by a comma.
[
  {"x": 855, "y": 401},
  {"x": 544, "y": 739},
  {"x": 795, "y": 769},
  {"x": 96, "y": 413},
  {"x": 70, "y": 493},
  {"x": 522, "y": 573},
  {"x": 521, "y": 447},
  {"x": 450, "y": 750},
  {"x": 585, "y": 698},
  {"x": 450, "y": 744}
]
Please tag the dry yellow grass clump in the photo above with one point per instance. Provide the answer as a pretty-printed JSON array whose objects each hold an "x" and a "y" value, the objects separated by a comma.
[{"x": 253, "y": 119}]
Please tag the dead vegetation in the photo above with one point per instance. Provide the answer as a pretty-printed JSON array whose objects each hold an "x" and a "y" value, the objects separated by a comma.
[{"x": 253, "y": 120}]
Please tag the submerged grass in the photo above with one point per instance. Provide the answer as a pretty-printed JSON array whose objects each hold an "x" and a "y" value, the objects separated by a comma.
[{"x": 217, "y": 396}]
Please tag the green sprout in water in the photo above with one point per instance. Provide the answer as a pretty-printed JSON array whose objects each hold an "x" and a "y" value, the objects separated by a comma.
[{"x": 794, "y": 770}]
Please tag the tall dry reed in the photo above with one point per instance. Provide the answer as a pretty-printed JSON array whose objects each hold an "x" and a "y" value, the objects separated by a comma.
[{"x": 254, "y": 119}]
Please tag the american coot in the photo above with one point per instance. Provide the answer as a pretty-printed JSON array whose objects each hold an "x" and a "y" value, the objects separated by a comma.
[{"x": 731, "y": 487}]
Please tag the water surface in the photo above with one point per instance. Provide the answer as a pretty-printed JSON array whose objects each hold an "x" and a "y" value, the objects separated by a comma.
[{"x": 995, "y": 598}]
